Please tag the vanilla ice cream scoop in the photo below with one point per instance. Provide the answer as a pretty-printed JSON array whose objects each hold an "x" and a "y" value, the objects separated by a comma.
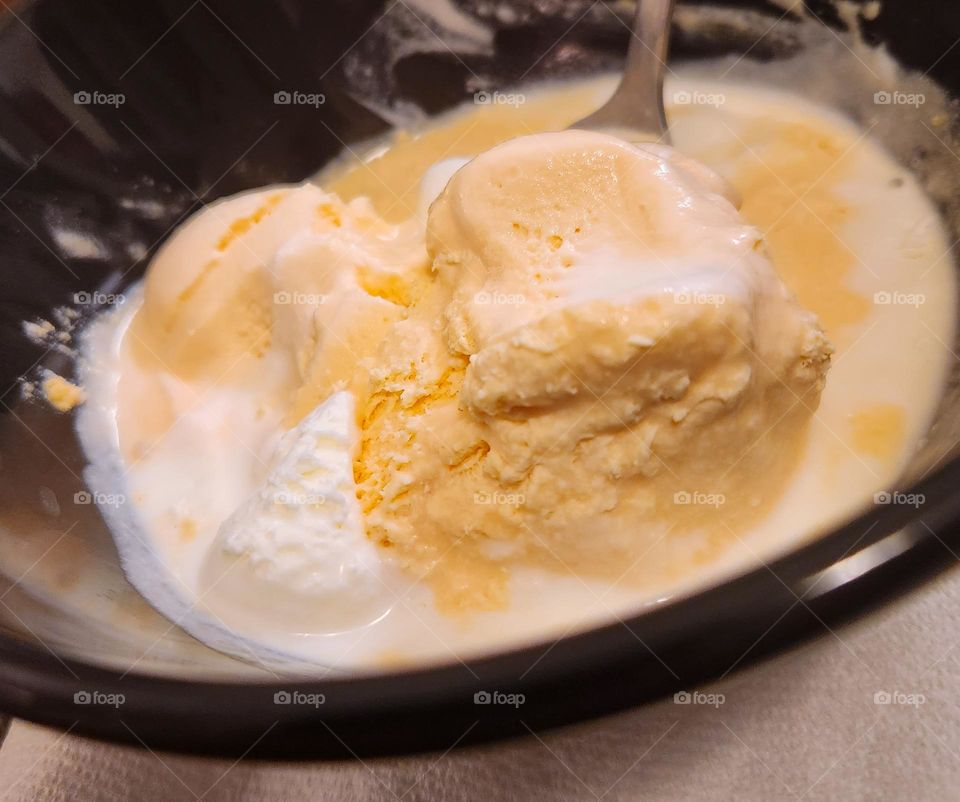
[
  {"x": 614, "y": 337},
  {"x": 608, "y": 255},
  {"x": 294, "y": 557},
  {"x": 249, "y": 272}
]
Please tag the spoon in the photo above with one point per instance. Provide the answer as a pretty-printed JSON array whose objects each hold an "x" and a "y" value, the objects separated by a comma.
[{"x": 635, "y": 110}]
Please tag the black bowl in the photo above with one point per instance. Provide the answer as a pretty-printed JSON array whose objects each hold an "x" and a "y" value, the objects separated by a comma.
[{"x": 118, "y": 120}]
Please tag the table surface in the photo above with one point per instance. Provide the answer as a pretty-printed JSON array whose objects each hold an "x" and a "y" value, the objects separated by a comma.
[{"x": 803, "y": 726}]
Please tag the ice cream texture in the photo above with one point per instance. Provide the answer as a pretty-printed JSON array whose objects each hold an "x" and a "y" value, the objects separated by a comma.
[
  {"x": 581, "y": 338},
  {"x": 298, "y": 541}
]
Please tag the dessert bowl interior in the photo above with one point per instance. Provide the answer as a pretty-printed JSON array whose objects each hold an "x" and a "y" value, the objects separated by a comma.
[{"x": 120, "y": 121}]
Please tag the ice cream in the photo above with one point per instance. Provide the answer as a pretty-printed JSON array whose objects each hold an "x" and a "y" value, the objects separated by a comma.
[
  {"x": 567, "y": 382},
  {"x": 589, "y": 331},
  {"x": 293, "y": 557},
  {"x": 217, "y": 288},
  {"x": 602, "y": 333},
  {"x": 586, "y": 331}
]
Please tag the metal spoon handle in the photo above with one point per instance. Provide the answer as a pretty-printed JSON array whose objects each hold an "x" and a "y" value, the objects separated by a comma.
[{"x": 637, "y": 104}]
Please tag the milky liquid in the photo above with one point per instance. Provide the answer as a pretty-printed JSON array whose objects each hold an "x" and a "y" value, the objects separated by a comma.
[{"x": 892, "y": 325}]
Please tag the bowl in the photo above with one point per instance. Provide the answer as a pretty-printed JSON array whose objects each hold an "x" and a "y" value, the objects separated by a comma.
[{"x": 120, "y": 120}]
